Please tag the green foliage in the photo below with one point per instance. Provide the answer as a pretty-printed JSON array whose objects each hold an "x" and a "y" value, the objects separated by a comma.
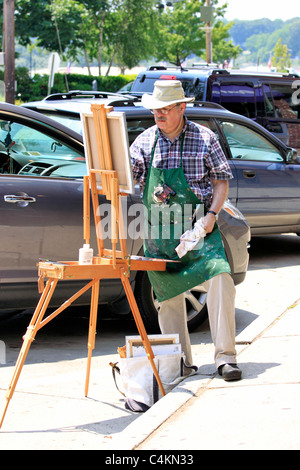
[
  {"x": 126, "y": 32},
  {"x": 36, "y": 88},
  {"x": 224, "y": 49},
  {"x": 121, "y": 32},
  {"x": 281, "y": 58},
  {"x": 242, "y": 30},
  {"x": 104, "y": 30},
  {"x": 181, "y": 33},
  {"x": 260, "y": 36}
]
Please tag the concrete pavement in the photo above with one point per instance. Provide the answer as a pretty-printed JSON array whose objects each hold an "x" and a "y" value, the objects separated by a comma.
[
  {"x": 261, "y": 412},
  {"x": 49, "y": 410}
]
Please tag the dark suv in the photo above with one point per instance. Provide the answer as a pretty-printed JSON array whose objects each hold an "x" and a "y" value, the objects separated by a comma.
[{"x": 272, "y": 100}]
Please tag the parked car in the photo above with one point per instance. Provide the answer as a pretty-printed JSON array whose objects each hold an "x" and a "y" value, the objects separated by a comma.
[
  {"x": 126, "y": 88},
  {"x": 42, "y": 165},
  {"x": 271, "y": 99},
  {"x": 266, "y": 172}
]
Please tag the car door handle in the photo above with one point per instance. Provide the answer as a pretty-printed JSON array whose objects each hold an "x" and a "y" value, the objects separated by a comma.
[
  {"x": 13, "y": 199},
  {"x": 249, "y": 174}
]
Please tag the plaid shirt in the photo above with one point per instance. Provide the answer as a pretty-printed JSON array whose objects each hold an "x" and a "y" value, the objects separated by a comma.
[{"x": 202, "y": 158}]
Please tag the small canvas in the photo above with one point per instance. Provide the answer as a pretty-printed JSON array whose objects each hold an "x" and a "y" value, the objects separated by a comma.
[
  {"x": 163, "y": 344},
  {"x": 119, "y": 146},
  {"x": 158, "y": 350}
]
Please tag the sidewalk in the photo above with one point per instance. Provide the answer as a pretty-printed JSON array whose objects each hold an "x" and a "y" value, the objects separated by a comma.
[{"x": 262, "y": 411}]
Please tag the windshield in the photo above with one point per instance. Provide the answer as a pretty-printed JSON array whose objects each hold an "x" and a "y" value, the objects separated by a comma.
[
  {"x": 72, "y": 121},
  {"x": 192, "y": 86},
  {"x": 21, "y": 145}
]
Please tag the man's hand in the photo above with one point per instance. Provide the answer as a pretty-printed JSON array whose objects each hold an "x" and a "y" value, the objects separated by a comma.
[{"x": 209, "y": 222}]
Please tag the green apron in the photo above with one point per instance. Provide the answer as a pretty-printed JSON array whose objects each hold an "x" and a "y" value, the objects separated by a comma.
[{"x": 166, "y": 222}]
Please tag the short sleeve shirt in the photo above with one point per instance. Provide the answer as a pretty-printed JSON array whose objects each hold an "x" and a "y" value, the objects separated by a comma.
[{"x": 203, "y": 159}]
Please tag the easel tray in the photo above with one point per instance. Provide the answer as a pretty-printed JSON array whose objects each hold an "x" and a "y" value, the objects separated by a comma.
[{"x": 99, "y": 269}]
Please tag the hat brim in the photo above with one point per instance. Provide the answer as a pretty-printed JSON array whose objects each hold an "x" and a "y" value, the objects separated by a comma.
[{"x": 149, "y": 102}]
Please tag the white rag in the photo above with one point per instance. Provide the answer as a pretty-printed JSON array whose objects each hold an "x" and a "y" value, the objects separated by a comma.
[{"x": 191, "y": 238}]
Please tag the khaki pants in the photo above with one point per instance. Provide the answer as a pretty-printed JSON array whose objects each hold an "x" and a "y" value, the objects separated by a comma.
[{"x": 221, "y": 313}]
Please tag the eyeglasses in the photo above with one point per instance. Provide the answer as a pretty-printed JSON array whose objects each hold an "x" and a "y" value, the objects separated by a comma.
[{"x": 163, "y": 111}]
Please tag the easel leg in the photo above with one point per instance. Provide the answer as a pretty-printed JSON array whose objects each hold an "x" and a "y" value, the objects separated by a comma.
[
  {"x": 29, "y": 338},
  {"x": 141, "y": 329},
  {"x": 92, "y": 331}
]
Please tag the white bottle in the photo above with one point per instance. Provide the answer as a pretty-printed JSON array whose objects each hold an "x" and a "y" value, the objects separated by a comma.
[{"x": 85, "y": 255}]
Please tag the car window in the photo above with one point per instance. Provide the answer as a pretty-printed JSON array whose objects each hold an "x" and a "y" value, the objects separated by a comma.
[
  {"x": 236, "y": 97},
  {"x": 137, "y": 126},
  {"x": 247, "y": 144},
  {"x": 28, "y": 151},
  {"x": 192, "y": 86},
  {"x": 210, "y": 123},
  {"x": 68, "y": 120},
  {"x": 206, "y": 123},
  {"x": 281, "y": 103}
]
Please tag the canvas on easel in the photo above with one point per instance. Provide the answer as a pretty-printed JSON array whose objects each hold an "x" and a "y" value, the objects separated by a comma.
[
  {"x": 109, "y": 168},
  {"x": 119, "y": 149}
]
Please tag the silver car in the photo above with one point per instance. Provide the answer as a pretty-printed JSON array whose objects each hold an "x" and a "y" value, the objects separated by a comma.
[{"x": 41, "y": 197}]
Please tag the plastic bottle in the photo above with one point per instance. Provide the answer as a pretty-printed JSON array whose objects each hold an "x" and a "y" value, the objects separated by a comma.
[{"x": 85, "y": 255}]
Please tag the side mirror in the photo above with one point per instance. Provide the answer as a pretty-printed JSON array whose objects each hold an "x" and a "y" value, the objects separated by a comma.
[{"x": 292, "y": 156}]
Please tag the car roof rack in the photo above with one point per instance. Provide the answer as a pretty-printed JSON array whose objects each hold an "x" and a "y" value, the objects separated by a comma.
[
  {"x": 137, "y": 98},
  {"x": 137, "y": 94},
  {"x": 125, "y": 101},
  {"x": 211, "y": 67},
  {"x": 82, "y": 94},
  {"x": 262, "y": 73},
  {"x": 206, "y": 64},
  {"x": 207, "y": 104},
  {"x": 163, "y": 67}
]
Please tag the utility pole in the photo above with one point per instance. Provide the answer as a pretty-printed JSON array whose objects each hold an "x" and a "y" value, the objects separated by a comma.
[
  {"x": 207, "y": 15},
  {"x": 208, "y": 38},
  {"x": 9, "y": 49}
]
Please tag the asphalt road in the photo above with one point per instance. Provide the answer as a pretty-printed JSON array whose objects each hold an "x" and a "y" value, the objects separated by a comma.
[{"x": 49, "y": 410}]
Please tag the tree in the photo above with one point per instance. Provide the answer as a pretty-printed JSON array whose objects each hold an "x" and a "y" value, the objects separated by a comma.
[
  {"x": 72, "y": 15},
  {"x": 223, "y": 48},
  {"x": 260, "y": 37},
  {"x": 120, "y": 31},
  {"x": 130, "y": 32},
  {"x": 181, "y": 33},
  {"x": 281, "y": 57},
  {"x": 69, "y": 27},
  {"x": 101, "y": 29},
  {"x": 178, "y": 33},
  {"x": 34, "y": 19}
]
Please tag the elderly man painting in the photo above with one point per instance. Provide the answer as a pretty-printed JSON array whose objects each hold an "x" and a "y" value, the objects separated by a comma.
[{"x": 186, "y": 159}]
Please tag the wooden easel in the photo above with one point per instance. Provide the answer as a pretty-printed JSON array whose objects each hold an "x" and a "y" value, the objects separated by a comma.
[{"x": 109, "y": 264}]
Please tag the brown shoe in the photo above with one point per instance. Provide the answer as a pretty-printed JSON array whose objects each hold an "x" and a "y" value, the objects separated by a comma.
[{"x": 230, "y": 372}]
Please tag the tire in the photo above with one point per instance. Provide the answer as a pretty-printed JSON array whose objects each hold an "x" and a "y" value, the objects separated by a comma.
[{"x": 148, "y": 305}]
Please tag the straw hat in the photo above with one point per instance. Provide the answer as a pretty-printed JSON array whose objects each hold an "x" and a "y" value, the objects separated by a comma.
[{"x": 165, "y": 93}]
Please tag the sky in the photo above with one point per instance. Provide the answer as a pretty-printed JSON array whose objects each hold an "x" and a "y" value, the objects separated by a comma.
[{"x": 257, "y": 9}]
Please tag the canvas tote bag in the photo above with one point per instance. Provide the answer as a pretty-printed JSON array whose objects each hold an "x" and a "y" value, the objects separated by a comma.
[{"x": 139, "y": 385}]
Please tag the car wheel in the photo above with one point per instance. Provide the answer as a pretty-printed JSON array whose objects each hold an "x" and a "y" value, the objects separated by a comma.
[{"x": 149, "y": 306}]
